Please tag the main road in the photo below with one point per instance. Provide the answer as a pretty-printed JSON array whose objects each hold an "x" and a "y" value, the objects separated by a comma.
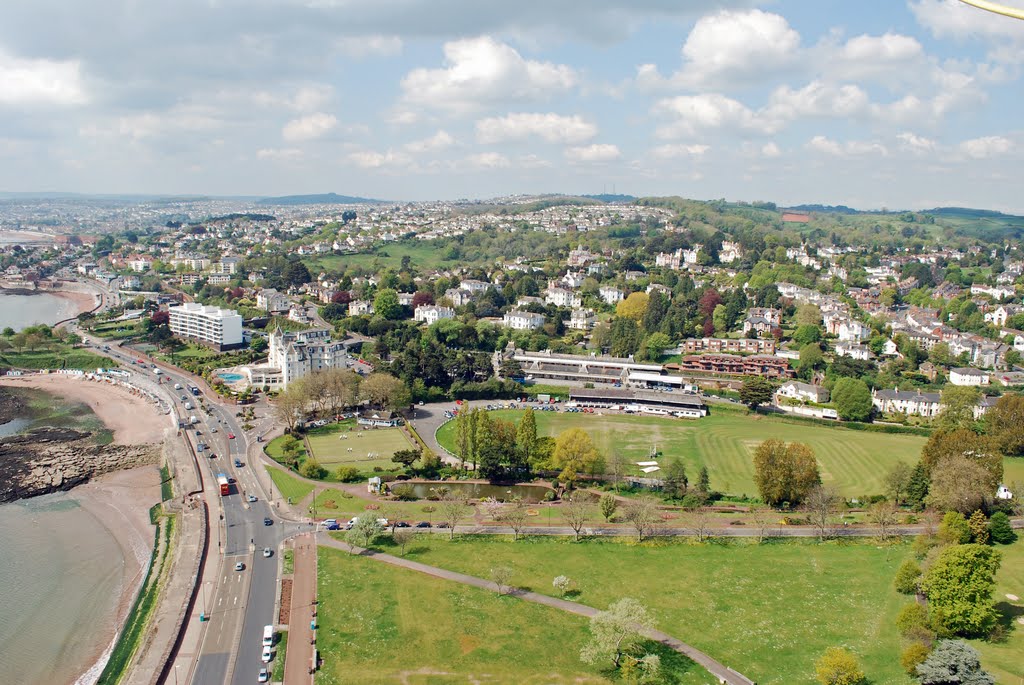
[{"x": 238, "y": 604}]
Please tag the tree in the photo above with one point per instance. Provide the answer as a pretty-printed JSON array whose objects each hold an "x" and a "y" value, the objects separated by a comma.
[
  {"x": 574, "y": 453},
  {"x": 402, "y": 537},
  {"x": 807, "y": 334},
  {"x": 897, "y": 480},
  {"x": 838, "y": 666},
  {"x": 384, "y": 390},
  {"x": 978, "y": 525},
  {"x": 953, "y": 662},
  {"x": 808, "y": 315},
  {"x": 289, "y": 405},
  {"x": 884, "y": 516},
  {"x": 656, "y": 344},
  {"x": 852, "y": 399},
  {"x": 576, "y": 512},
  {"x": 642, "y": 514},
  {"x": 675, "y": 481},
  {"x": 616, "y": 632},
  {"x": 465, "y": 434},
  {"x": 967, "y": 444},
  {"x": 704, "y": 481},
  {"x": 959, "y": 589},
  {"x": 386, "y": 305},
  {"x": 954, "y": 529},
  {"x": 811, "y": 358},
  {"x": 784, "y": 472},
  {"x": 822, "y": 504},
  {"x": 562, "y": 583},
  {"x": 623, "y": 337},
  {"x": 999, "y": 529},
  {"x": 959, "y": 484},
  {"x": 1005, "y": 423},
  {"x": 311, "y": 468},
  {"x": 514, "y": 514},
  {"x": 452, "y": 511},
  {"x": 364, "y": 531},
  {"x": 917, "y": 486},
  {"x": 295, "y": 273},
  {"x": 633, "y": 307},
  {"x": 405, "y": 457},
  {"x": 526, "y": 436},
  {"x": 756, "y": 390},
  {"x": 608, "y": 504},
  {"x": 913, "y": 655},
  {"x": 958, "y": 405},
  {"x": 501, "y": 576},
  {"x": 699, "y": 521},
  {"x": 761, "y": 519},
  {"x": 907, "y": 577}
]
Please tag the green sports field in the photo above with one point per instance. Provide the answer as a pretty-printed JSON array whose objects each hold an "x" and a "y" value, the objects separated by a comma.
[
  {"x": 336, "y": 444},
  {"x": 853, "y": 461}
]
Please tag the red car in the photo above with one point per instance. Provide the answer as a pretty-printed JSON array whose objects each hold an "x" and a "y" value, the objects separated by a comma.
[{"x": 231, "y": 436}]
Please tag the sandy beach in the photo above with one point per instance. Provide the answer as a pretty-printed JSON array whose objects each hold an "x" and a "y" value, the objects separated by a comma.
[
  {"x": 133, "y": 419},
  {"x": 84, "y": 301}
]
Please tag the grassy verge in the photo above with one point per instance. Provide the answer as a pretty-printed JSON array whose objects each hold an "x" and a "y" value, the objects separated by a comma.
[
  {"x": 769, "y": 611},
  {"x": 288, "y": 562},
  {"x": 381, "y": 624},
  {"x": 145, "y": 603},
  {"x": 289, "y": 486},
  {"x": 282, "y": 649},
  {"x": 166, "y": 489},
  {"x": 59, "y": 357}
]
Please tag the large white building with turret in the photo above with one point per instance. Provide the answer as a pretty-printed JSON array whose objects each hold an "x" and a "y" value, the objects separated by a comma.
[{"x": 294, "y": 354}]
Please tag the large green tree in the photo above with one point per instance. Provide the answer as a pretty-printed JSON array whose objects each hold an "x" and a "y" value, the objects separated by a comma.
[
  {"x": 852, "y": 399},
  {"x": 574, "y": 454},
  {"x": 756, "y": 390},
  {"x": 959, "y": 589},
  {"x": 1005, "y": 422},
  {"x": 964, "y": 443},
  {"x": 958, "y": 404},
  {"x": 785, "y": 472},
  {"x": 526, "y": 436},
  {"x": 386, "y": 305}
]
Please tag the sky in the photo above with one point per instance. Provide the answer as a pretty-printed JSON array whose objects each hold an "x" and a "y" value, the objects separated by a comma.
[{"x": 899, "y": 104}]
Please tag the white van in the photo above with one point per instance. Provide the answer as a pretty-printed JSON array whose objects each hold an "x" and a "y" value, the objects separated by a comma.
[{"x": 268, "y": 636}]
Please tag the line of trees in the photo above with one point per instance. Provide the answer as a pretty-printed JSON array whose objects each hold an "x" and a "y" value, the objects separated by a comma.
[{"x": 331, "y": 391}]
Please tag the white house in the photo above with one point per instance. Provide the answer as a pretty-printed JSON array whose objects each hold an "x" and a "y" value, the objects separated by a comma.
[
  {"x": 911, "y": 403},
  {"x": 458, "y": 296},
  {"x": 611, "y": 295},
  {"x": 851, "y": 330},
  {"x": 271, "y": 300},
  {"x": 474, "y": 286},
  {"x": 523, "y": 321},
  {"x": 803, "y": 391},
  {"x": 560, "y": 297},
  {"x": 219, "y": 328},
  {"x": 432, "y": 313},
  {"x": 854, "y": 351},
  {"x": 359, "y": 307},
  {"x": 582, "y": 319},
  {"x": 968, "y": 376}
]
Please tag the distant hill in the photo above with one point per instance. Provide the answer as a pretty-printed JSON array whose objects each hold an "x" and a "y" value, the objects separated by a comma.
[
  {"x": 832, "y": 209},
  {"x": 320, "y": 199},
  {"x": 966, "y": 212},
  {"x": 610, "y": 197}
]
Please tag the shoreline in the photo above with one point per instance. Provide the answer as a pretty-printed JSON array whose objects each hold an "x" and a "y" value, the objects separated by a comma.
[
  {"x": 121, "y": 501},
  {"x": 83, "y": 301}
]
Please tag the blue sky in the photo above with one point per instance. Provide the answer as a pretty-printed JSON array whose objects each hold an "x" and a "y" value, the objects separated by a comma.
[{"x": 878, "y": 103}]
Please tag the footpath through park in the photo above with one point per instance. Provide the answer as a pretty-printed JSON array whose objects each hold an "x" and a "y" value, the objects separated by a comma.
[
  {"x": 723, "y": 673},
  {"x": 298, "y": 665}
]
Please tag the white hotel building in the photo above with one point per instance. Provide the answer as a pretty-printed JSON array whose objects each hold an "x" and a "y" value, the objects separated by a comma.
[{"x": 213, "y": 326}]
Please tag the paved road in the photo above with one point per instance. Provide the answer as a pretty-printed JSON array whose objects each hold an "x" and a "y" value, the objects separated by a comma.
[{"x": 716, "y": 668}]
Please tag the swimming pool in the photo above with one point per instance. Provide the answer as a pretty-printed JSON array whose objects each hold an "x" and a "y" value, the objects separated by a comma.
[{"x": 230, "y": 377}]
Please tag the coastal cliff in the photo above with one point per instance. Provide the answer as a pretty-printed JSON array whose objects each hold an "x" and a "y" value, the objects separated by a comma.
[{"x": 50, "y": 459}]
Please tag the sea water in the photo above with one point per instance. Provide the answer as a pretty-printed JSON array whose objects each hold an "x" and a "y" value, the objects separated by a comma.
[
  {"x": 22, "y": 311},
  {"x": 62, "y": 574}
]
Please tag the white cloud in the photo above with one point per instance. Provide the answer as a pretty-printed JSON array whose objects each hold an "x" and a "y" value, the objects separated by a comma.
[
  {"x": 852, "y": 148},
  {"x": 486, "y": 161},
  {"x": 307, "y": 98},
  {"x": 482, "y": 71},
  {"x": 692, "y": 113},
  {"x": 740, "y": 42},
  {"x": 309, "y": 127},
  {"x": 915, "y": 143},
  {"x": 40, "y": 82},
  {"x": 816, "y": 99},
  {"x": 287, "y": 153},
  {"x": 550, "y": 127},
  {"x": 369, "y": 159},
  {"x": 598, "y": 152},
  {"x": 370, "y": 46},
  {"x": 675, "y": 151},
  {"x": 770, "y": 150},
  {"x": 891, "y": 57},
  {"x": 988, "y": 146},
  {"x": 438, "y": 141}
]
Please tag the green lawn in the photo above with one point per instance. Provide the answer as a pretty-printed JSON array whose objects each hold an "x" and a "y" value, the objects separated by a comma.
[
  {"x": 1003, "y": 660},
  {"x": 274, "y": 451},
  {"x": 57, "y": 357},
  {"x": 280, "y": 650},
  {"x": 380, "y": 624},
  {"x": 853, "y": 461},
  {"x": 369, "y": 448},
  {"x": 288, "y": 485},
  {"x": 768, "y": 611}
]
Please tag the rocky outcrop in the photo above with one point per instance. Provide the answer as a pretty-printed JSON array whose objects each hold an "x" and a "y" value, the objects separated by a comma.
[{"x": 49, "y": 459}]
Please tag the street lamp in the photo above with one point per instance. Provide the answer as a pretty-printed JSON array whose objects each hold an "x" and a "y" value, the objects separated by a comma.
[{"x": 203, "y": 616}]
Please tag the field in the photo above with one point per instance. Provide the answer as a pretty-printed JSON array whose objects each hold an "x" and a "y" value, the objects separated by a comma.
[
  {"x": 853, "y": 461},
  {"x": 56, "y": 357},
  {"x": 336, "y": 444},
  {"x": 288, "y": 485},
  {"x": 768, "y": 611},
  {"x": 1003, "y": 660},
  {"x": 380, "y": 624}
]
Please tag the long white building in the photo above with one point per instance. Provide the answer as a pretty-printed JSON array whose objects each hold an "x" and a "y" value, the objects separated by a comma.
[
  {"x": 293, "y": 355},
  {"x": 213, "y": 326}
]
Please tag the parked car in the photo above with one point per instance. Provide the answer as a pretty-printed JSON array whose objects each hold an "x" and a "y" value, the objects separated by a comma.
[
  {"x": 443, "y": 524},
  {"x": 423, "y": 524},
  {"x": 401, "y": 524},
  {"x": 264, "y": 675},
  {"x": 267, "y": 655}
]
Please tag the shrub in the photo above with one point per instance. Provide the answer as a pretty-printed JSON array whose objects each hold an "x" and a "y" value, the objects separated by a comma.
[
  {"x": 914, "y": 655},
  {"x": 838, "y": 667},
  {"x": 912, "y": 618},
  {"x": 347, "y": 474},
  {"x": 978, "y": 525},
  {"x": 404, "y": 493},
  {"x": 907, "y": 577},
  {"x": 311, "y": 468},
  {"x": 999, "y": 529},
  {"x": 923, "y": 544},
  {"x": 954, "y": 529}
]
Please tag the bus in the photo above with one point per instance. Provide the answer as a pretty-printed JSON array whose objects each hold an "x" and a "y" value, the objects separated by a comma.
[{"x": 222, "y": 481}]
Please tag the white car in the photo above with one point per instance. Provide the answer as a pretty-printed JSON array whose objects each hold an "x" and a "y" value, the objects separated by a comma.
[
  {"x": 264, "y": 675},
  {"x": 267, "y": 552},
  {"x": 267, "y": 655}
]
